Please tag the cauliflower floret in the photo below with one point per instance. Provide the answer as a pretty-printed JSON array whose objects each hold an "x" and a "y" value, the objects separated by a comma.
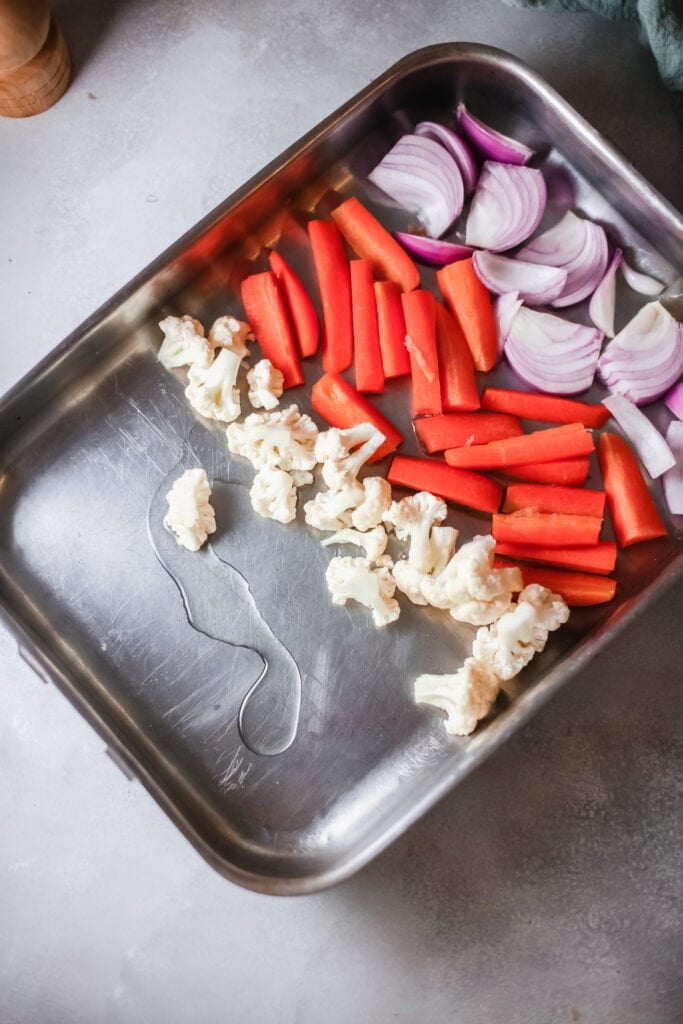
[
  {"x": 511, "y": 642},
  {"x": 335, "y": 449},
  {"x": 375, "y": 503},
  {"x": 373, "y": 541},
  {"x": 284, "y": 439},
  {"x": 331, "y": 510},
  {"x": 190, "y": 515},
  {"x": 184, "y": 343},
  {"x": 354, "y": 579},
  {"x": 212, "y": 391},
  {"x": 409, "y": 578},
  {"x": 231, "y": 333},
  {"x": 470, "y": 588},
  {"x": 412, "y": 519},
  {"x": 273, "y": 495},
  {"x": 466, "y": 697},
  {"x": 265, "y": 385}
]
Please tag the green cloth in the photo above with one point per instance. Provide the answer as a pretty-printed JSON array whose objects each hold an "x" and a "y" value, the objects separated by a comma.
[{"x": 661, "y": 25}]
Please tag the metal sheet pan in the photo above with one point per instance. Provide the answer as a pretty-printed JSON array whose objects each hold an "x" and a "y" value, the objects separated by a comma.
[{"x": 159, "y": 651}]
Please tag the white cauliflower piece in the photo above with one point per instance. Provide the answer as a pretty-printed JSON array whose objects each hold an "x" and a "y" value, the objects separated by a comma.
[
  {"x": 466, "y": 697},
  {"x": 412, "y": 519},
  {"x": 273, "y": 495},
  {"x": 354, "y": 579},
  {"x": 409, "y": 578},
  {"x": 343, "y": 453},
  {"x": 184, "y": 343},
  {"x": 470, "y": 588},
  {"x": 375, "y": 503},
  {"x": 231, "y": 333},
  {"x": 332, "y": 510},
  {"x": 212, "y": 391},
  {"x": 284, "y": 439},
  {"x": 511, "y": 642},
  {"x": 374, "y": 541},
  {"x": 190, "y": 515},
  {"x": 265, "y": 385}
]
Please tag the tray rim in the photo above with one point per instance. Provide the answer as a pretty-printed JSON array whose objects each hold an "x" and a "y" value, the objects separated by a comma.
[{"x": 47, "y": 664}]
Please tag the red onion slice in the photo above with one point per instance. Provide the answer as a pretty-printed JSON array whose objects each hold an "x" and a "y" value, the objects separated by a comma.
[
  {"x": 419, "y": 174},
  {"x": 578, "y": 246},
  {"x": 653, "y": 450},
  {"x": 504, "y": 308},
  {"x": 673, "y": 400},
  {"x": 642, "y": 283},
  {"x": 455, "y": 146},
  {"x": 536, "y": 285},
  {"x": 491, "y": 144},
  {"x": 646, "y": 358},
  {"x": 673, "y": 478},
  {"x": 433, "y": 251},
  {"x": 506, "y": 208},
  {"x": 601, "y": 308},
  {"x": 553, "y": 355}
]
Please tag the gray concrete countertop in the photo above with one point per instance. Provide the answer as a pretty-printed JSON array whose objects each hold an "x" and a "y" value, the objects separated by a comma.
[{"x": 543, "y": 890}]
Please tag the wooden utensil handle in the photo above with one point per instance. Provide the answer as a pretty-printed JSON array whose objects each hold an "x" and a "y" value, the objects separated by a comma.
[{"x": 34, "y": 60}]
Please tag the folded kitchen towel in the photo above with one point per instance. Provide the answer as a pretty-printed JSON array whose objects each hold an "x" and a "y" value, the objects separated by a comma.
[{"x": 661, "y": 26}]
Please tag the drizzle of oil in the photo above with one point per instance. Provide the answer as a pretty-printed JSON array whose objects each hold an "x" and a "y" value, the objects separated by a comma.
[{"x": 220, "y": 604}]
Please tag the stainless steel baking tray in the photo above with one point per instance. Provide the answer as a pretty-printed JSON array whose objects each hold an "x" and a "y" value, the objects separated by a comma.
[{"x": 158, "y": 648}]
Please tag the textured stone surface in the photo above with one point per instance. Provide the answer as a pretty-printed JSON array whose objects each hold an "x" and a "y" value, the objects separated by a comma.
[{"x": 543, "y": 890}]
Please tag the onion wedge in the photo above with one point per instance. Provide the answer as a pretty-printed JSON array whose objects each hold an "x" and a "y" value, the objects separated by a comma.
[
  {"x": 645, "y": 358},
  {"x": 554, "y": 355},
  {"x": 458, "y": 149},
  {"x": 578, "y": 246},
  {"x": 506, "y": 208},
  {"x": 536, "y": 285},
  {"x": 673, "y": 478},
  {"x": 601, "y": 307},
  {"x": 423, "y": 177},
  {"x": 653, "y": 450},
  {"x": 491, "y": 144}
]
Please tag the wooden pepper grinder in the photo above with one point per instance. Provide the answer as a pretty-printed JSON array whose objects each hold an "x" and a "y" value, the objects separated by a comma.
[{"x": 34, "y": 61}]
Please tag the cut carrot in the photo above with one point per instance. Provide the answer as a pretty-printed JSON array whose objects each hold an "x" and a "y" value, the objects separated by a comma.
[
  {"x": 554, "y": 498},
  {"x": 469, "y": 301},
  {"x": 474, "y": 490},
  {"x": 392, "y": 329},
  {"x": 562, "y": 471},
  {"x": 548, "y": 408},
  {"x": 549, "y": 529},
  {"x": 454, "y": 429},
  {"x": 367, "y": 358},
  {"x": 631, "y": 506},
  {"x": 456, "y": 366},
  {"x": 420, "y": 314},
  {"x": 595, "y": 558},
  {"x": 342, "y": 406},
  {"x": 539, "y": 446},
  {"x": 579, "y": 589},
  {"x": 265, "y": 309},
  {"x": 371, "y": 241},
  {"x": 334, "y": 281},
  {"x": 299, "y": 306}
]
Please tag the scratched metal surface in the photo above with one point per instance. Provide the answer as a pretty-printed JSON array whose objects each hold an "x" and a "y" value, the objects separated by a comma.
[{"x": 161, "y": 650}]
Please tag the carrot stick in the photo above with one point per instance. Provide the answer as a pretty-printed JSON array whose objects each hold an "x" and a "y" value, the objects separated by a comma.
[
  {"x": 631, "y": 506},
  {"x": 454, "y": 429},
  {"x": 550, "y": 529},
  {"x": 595, "y": 558},
  {"x": 366, "y": 354},
  {"x": 420, "y": 314},
  {"x": 265, "y": 309},
  {"x": 392, "y": 329},
  {"x": 554, "y": 498},
  {"x": 459, "y": 486},
  {"x": 371, "y": 241},
  {"x": 456, "y": 366},
  {"x": 342, "y": 405},
  {"x": 548, "y": 408},
  {"x": 469, "y": 301},
  {"x": 299, "y": 306},
  {"x": 540, "y": 446},
  {"x": 579, "y": 589},
  {"x": 334, "y": 281}
]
